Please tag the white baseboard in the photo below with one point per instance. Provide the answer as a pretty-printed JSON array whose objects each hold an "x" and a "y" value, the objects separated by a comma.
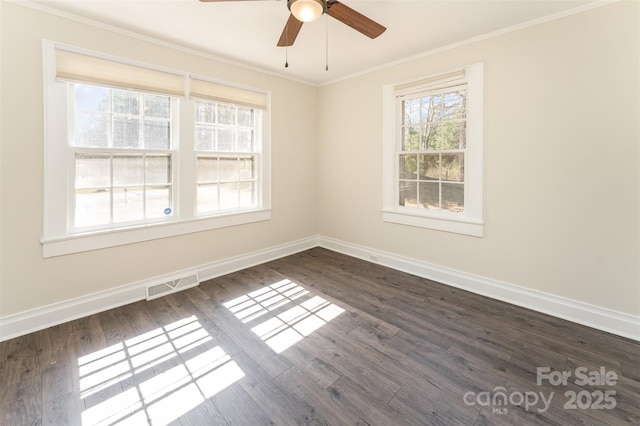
[
  {"x": 618, "y": 323},
  {"x": 582, "y": 313},
  {"x": 47, "y": 316}
]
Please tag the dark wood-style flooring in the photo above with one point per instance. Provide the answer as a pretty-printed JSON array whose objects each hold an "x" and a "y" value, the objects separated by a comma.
[{"x": 318, "y": 338}]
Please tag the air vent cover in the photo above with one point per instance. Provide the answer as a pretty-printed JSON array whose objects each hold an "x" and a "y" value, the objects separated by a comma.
[{"x": 158, "y": 290}]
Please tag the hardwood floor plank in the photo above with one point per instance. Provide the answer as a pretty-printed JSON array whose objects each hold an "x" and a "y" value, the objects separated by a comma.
[
  {"x": 334, "y": 411},
  {"x": 238, "y": 408},
  {"x": 66, "y": 410},
  {"x": 426, "y": 410},
  {"x": 280, "y": 406},
  {"x": 204, "y": 414}
]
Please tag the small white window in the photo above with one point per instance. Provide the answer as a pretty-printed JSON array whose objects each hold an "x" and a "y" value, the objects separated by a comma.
[{"x": 433, "y": 152}]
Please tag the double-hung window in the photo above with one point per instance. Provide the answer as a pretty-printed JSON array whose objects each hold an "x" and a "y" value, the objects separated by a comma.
[
  {"x": 135, "y": 152},
  {"x": 433, "y": 152}
]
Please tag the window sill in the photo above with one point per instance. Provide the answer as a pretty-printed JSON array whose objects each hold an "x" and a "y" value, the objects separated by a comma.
[
  {"x": 110, "y": 238},
  {"x": 457, "y": 225}
]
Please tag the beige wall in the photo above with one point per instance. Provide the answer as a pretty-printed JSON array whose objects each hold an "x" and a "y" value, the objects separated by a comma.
[
  {"x": 561, "y": 183},
  {"x": 29, "y": 281},
  {"x": 562, "y": 187}
]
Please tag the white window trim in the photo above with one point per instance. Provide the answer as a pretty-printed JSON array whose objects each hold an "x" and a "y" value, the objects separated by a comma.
[
  {"x": 470, "y": 222},
  {"x": 56, "y": 239}
]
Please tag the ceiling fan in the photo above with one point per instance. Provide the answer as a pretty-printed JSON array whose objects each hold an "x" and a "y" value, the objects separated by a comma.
[{"x": 310, "y": 10}]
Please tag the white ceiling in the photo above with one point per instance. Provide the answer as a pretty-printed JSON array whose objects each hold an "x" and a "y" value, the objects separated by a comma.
[{"x": 247, "y": 31}]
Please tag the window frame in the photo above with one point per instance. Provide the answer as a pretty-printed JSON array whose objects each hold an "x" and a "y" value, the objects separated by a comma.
[
  {"x": 470, "y": 221},
  {"x": 57, "y": 238},
  {"x": 173, "y": 152}
]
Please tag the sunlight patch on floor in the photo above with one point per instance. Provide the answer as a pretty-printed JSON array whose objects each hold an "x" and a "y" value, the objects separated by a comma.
[
  {"x": 175, "y": 385},
  {"x": 286, "y": 329}
]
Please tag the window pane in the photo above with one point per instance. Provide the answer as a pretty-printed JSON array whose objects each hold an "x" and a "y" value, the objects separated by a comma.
[
  {"x": 93, "y": 207},
  {"x": 91, "y": 98},
  {"x": 247, "y": 195},
  {"x": 246, "y": 168},
  {"x": 408, "y": 193},
  {"x": 128, "y": 170},
  {"x": 432, "y": 108},
  {"x": 245, "y": 117},
  {"x": 429, "y": 195},
  {"x": 453, "y": 197},
  {"x": 126, "y": 132},
  {"x": 207, "y": 169},
  {"x": 205, "y": 138},
  {"x": 454, "y": 105},
  {"x": 453, "y": 167},
  {"x": 126, "y": 102},
  {"x": 158, "y": 169},
  {"x": 158, "y": 200},
  {"x": 411, "y": 112},
  {"x": 128, "y": 204},
  {"x": 93, "y": 171},
  {"x": 228, "y": 169},
  {"x": 429, "y": 167},
  {"x": 454, "y": 135},
  {"x": 408, "y": 166},
  {"x": 411, "y": 139},
  {"x": 229, "y": 195},
  {"x": 207, "y": 198},
  {"x": 156, "y": 134},
  {"x": 157, "y": 106},
  {"x": 205, "y": 112},
  {"x": 432, "y": 137},
  {"x": 91, "y": 130},
  {"x": 225, "y": 139},
  {"x": 428, "y": 111},
  {"x": 226, "y": 114},
  {"x": 245, "y": 140}
]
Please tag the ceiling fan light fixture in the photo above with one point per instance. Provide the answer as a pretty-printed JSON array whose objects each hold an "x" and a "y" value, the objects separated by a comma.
[{"x": 306, "y": 10}]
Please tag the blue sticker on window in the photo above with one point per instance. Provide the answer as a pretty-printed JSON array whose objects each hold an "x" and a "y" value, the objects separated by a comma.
[{"x": 167, "y": 211}]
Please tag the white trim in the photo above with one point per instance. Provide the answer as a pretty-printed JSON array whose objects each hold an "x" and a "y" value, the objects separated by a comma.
[
  {"x": 604, "y": 319},
  {"x": 462, "y": 226},
  {"x": 115, "y": 237},
  {"x": 608, "y": 320},
  {"x": 57, "y": 313}
]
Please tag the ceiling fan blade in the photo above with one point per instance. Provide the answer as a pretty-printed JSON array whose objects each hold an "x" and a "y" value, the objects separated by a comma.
[
  {"x": 290, "y": 32},
  {"x": 355, "y": 20}
]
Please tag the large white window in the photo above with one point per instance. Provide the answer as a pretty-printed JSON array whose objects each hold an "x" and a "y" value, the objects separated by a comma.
[
  {"x": 134, "y": 152},
  {"x": 433, "y": 152}
]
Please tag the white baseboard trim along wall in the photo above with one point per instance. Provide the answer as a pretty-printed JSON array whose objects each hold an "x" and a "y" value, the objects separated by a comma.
[
  {"x": 619, "y": 323},
  {"x": 47, "y": 316},
  {"x": 582, "y": 313}
]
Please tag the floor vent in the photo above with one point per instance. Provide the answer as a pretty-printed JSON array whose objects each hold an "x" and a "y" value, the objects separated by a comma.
[{"x": 158, "y": 290}]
